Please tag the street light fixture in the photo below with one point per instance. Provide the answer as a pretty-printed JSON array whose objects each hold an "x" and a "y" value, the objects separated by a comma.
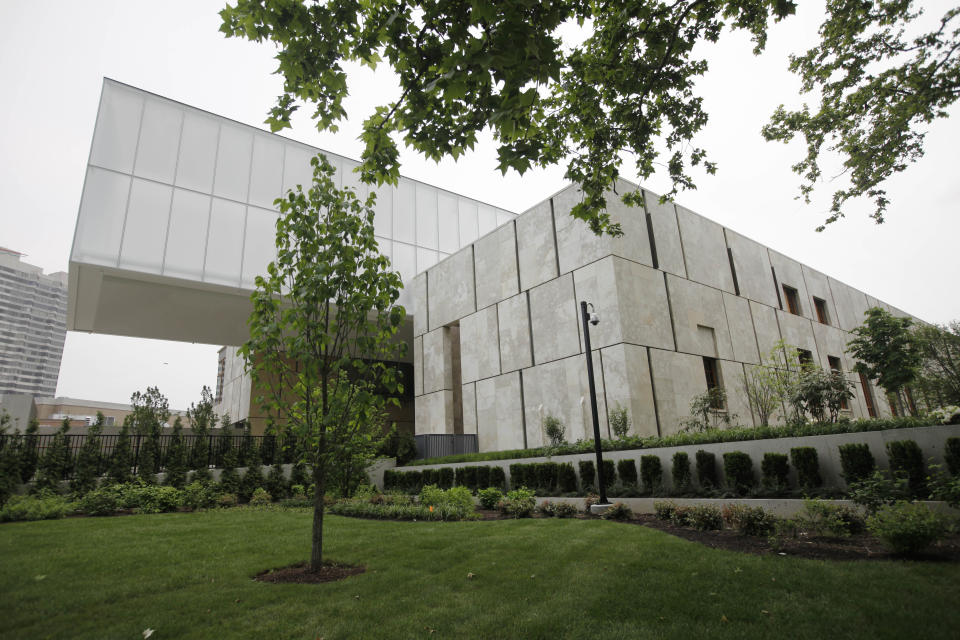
[{"x": 594, "y": 319}]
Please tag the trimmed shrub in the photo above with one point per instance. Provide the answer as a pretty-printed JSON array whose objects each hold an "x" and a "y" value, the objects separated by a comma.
[
  {"x": 663, "y": 510},
  {"x": 751, "y": 521},
  {"x": 567, "y": 478},
  {"x": 627, "y": 469},
  {"x": 276, "y": 484},
  {"x": 490, "y": 497},
  {"x": 104, "y": 501},
  {"x": 857, "y": 462},
  {"x": 609, "y": 474},
  {"x": 445, "y": 478},
  {"x": 565, "y": 510},
  {"x": 951, "y": 454},
  {"x": 705, "y": 517},
  {"x": 775, "y": 469},
  {"x": 519, "y": 477},
  {"x": 877, "y": 490},
  {"x": 822, "y": 518},
  {"x": 498, "y": 478},
  {"x": 681, "y": 472},
  {"x": 430, "y": 476},
  {"x": 546, "y": 477},
  {"x": 680, "y": 516},
  {"x": 199, "y": 495},
  {"x": 365, "y": 509},
  {"x": 617, "y": 511},
  {"x": 907, "y": 527},
  {"x": 738, "y": 471},
  {"x": 906, "y": 460},
  {"x": 260, "y": 498},
  {"x": 483, "y": 477},
  {"x": 251, "y": 481},
  {"x": 229, "y": 481},
  {"x": 807, "y": 464},
  {"x": 518, "y": 503},
  {"x": 651, "y": 472},
  {"x": 459, "y": 477},
  {"x": 470, "y": 478},
  {"x": 44, "y": 506},
  {"x": 706, "y": 469},
  {"x": 588, "y": 474}
]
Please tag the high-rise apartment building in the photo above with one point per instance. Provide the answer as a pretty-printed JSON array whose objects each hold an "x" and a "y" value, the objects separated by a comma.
[{"x": 33, "y": 313}]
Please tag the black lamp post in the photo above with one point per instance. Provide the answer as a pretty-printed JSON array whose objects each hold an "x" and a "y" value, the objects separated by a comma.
[{"x": 594, "y": 319}]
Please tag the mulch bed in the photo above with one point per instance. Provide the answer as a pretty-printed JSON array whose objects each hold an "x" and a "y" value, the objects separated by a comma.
[{"x": 301, "y": 573}]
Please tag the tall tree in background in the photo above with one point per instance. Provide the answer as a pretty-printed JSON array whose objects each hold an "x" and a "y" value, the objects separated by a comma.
[
  {"x": 887, "y": 352},
  {"x": 939, "y": 378},
  {"x": 151, "y": 410},
  {"x": 323, "y": 329},
  {"x": 628, "y": 87},
  {"x": 202, "y": 419}
]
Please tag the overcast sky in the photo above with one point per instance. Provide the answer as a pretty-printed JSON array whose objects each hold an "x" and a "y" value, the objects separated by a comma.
[{"x": 54, "y": 55}]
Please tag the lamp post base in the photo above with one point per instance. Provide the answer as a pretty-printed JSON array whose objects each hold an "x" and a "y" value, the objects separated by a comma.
[{"x": 599, "y": 509}]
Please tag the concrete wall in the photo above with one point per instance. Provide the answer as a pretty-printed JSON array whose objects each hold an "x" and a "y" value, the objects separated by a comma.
[{"x": 675, "y": 289}]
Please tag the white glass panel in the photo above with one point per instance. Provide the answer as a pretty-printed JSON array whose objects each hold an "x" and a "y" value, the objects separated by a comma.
[
  {"x": 468, "y": 222},
  {"x": 426, "y": 258},
  {"x": 426, "y": 216},
  {"x": 383, "y": 218},
  {"x": 296, "y": 168},
  {"x": 487, "y": 219},
  {"x": 145, "y": 230},
  {"x": 385, "y": 247},
  {"x": 100, "y": 222},
  {"x": 118, "y": 123},
  {"x": 266, "y": 177},
  {"x": 259, "y": 244},
  {"x": 159, "y": 139},
  {"x": 405, "y": 260},
  {"x": 224, "y": 243},
  {"x": 503, "y": 217},
  {"x": 233, "y": 163},
  {"x": 447, "y": 222},
  {"x": 404, "y": 224},
  {"x": 198, "y": 152},
  {"x": 352, "y": 179},
  {"x": 187, "y": 237}
]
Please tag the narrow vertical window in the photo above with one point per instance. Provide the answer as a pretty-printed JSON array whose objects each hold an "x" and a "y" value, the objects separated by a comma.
[
  {"x": 805, "y": 357},
  {"x": 868, "y": 396},
  {"x": 792, "y": 299},
  {"x": 713, "y": 381},
  {"x": 821, "y": 307},
  {"x": 837, "y": 369}
]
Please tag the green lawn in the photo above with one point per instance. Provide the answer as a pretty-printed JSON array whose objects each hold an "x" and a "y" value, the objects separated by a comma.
[{"x": 189, "y": 576}]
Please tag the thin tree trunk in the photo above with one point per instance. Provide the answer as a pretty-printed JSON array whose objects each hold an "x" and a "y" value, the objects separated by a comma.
[{"x": 316, "y": 551}]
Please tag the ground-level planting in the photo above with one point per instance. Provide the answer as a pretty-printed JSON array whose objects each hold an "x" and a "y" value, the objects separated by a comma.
[{"x": 189, "y": 575}]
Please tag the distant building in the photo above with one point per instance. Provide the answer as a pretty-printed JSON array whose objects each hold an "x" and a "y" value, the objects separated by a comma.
[
  {"x": 50, "y": 413},
  {"x": 33, "y": 313}
]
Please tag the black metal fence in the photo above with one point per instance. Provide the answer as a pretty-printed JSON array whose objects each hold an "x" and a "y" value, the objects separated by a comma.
[
  {"x": 435, "y": 445},
  {"x": 208, "y": 450}
]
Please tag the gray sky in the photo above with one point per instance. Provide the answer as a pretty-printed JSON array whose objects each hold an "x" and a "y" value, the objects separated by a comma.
[{"x": 54, "y": 55}]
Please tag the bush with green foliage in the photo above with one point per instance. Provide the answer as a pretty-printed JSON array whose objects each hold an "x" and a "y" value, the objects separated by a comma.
[
  {"x": 706, "y": 469},
  {"x": 807, "y": 464},
  {"x": 385, "y": 511},
  {"x": 680, "y": 516},
  {"x": 148, "y": 498},
  {"x": 567, "y": 479},
  {"x": 546, "y": 475},
  {"x": 199, "y": 495},
  {"x": 28, "y": 451},
  {"x": 856, "y": 461},
  {"x": 41, "y": 506},
  {"x": 822, "y": 518},
  {"x": 554, "y": 429},
  {"x": 705, "y": 517},
  {"x": 445, "y": 478},
  {"x": 681, "y": 472},
  {"x": 588, "y": 475},
  {"x": 651, "y": 473},
  {"x": 9, "y": 465},
  {"x": 663, "y": 509},
  {"x": 617, "y": 511},
  {"x": 627, "y": 470},
  {"x": 951, "y": 455},
  {"x": 609, "y": 474},
  {"x": 260, "y": 498},
  {"x": 907, "y": 527},
  {"x": 906, "y": 461},
  {"x": 229, "y": 476},
  {"x": 88, "y": 460},
  {"x": 251, "y": 481},
  {"x": 104, "y": 501},
  {"x": 483, "y": 478},
  {"x": 775, "y": 469},
  {"x": 276, "y": 483},
  {"x": 177, "y": 458},
  {"x": 121, "y": 458},
  {"x": 490, "y": 497},
  {"x": 565, "y": 510},
  {"x": 878, "y": 490},
  {"x": 518, "y": 503},
  {"x": 619, "y": 422},
  {"x": 751, "y": 521},
  {"x": 738, "y": 471},
  {"x": 944, "y": 487},
  {"x": 57, "y": 463},
  {"x": 457, "y": 500}
]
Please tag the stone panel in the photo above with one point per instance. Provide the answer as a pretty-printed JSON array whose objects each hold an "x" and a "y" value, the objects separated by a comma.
[
  {"x": 560, "y": 389},
  {"x": 451, "y": 289},
  {"x": 499, "y": 413},
  {"x": 598, "y": 284},
  {"x": 554, "y": 316},
  {"x": 469, "y": 396},
  {"x": 437, "y": 363},
  {"x": 513, "y": 316},
  {"x": 642, "y": 303},
  {"x": 753, "y": 268},
  {"x": 434, "y": 412},
  {"x": 626, "y": 377},
  {"x": 677, "y": 378},
  {"x": 742, "y": 338},
  {"x": 536, "y": 246},
  {"x": 418, "y": 303},
  {"x": 577, "y": 245},
  {"x": 666, "y": 234},
  {"x": 698, "y": 309},
  {"x": 790, "y": 273},
  {"x": 480, "y": 345},
  {"x": 496, "y": 264},
  {"x": 832, "y": 342},
  {"x": 851, "y": 305},
  {"x": 738, "y": 405},
  {"x": 418, "y": 366},
  {"x": 819, "y": 286},
  {"x": 766, "y": 327},
  {"x": 704, "y": 250},
  {"x": 798, "y": 332}
]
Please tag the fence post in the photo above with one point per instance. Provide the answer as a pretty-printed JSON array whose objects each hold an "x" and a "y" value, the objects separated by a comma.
[{"x": 136, "y": 453}]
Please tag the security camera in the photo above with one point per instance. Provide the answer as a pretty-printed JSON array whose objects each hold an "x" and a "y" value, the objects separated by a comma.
[{"x": 594, "y": 319}]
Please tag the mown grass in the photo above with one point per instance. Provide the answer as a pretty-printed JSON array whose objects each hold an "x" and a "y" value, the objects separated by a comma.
[{"x": 189, "y": 576}]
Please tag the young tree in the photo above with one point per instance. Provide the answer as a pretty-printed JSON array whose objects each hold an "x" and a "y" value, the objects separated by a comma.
[
  {"x": 323, "y": 330},
  {"x": 29, "y": 455},
  {"x": 628, "y": 86},
  {"x": 202, "y": 419},
  {"x": 88, "y": 460},
  {"x": 939, "y": 378},
  {"x": 57, "y": 462},
  {"x": 151, "y": 410},
  {"x": 887, "y": 352},
  {"x": 9, "y": 459},
  {"x": 176, "y": 467},
  {"x": 121, "y": 459}
]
